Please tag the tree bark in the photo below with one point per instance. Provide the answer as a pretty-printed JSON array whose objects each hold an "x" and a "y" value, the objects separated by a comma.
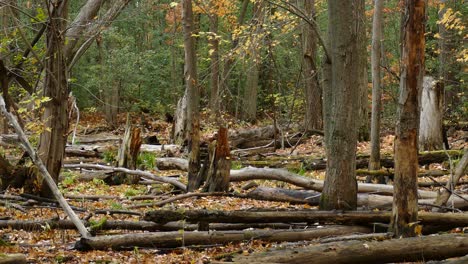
[
  {"x": 432, "y": 109},
  {"x": 405, "y": 200},
  {"x": 214, "y": 63},
  {"x": 55, "y": 117},
  {"x": 313, "y": 92},
  {"x": 374, "y": 160},
  {"x": 12, "y": 259},
  {"x": 362, "y": 42},
  {"x": 253, "y": 64},
  {"x": 340, "y": 189},
  {"x": 193, "y": 97},
  {"x": 395, "y": 250}
]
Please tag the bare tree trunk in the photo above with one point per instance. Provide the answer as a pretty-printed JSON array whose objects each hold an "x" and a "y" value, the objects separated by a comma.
[
  {"x": 214, "y": 57},
  {"x": 313, "y": 92},
  {"x": 128, "y": 152},
  {"x": 52, "y": 141},
  {"x": 251, "y": 87},
  {"x": 405, "y": 200},
  {"x": 432, "y": 111},
  {"x": 340, "y": 189},
  {"x": 193, "y": 97},
  {"x": 374, "y": 160},
  {"x": 363, "y": 108}
]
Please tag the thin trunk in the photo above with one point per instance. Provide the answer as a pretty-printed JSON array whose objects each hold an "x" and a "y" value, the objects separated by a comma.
[
  {"x": 363, "y": 109},
  {"x": 341, "y": 100},
  {"x": 214, "y": 57},
  {"x": 52, "y": 141},
  {"x": 253, "y": 71},
  {"x": 405, "y": 200},
  {"x": 193, "y": 97},
  {"x": 374, "y": 161},
  {"x": 313, "y": 92}
]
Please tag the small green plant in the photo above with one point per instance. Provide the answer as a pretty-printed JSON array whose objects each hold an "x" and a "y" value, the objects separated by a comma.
[
  {"x": 301, "y": 170},
  {"x": 146, "y": 159},
  {"x": 110, "y": 156},
  {"x": 69, "y": 179},
  {"x": 132, "y": 192},
  {"x": 116, "y": 206},
  {"x": 98, "y": 182},
  {"x": 236, "y": 165},
  {"x": 96, "y": 225}
]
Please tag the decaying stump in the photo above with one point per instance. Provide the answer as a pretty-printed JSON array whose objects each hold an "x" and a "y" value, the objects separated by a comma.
[
  {"x": 220, "y": 164},
  {"x": 430, "y": 121},
  {"x": 128, "y": 153}
]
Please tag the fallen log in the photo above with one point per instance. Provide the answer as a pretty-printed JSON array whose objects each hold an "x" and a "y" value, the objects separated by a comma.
[
  {"x": 240, "y": 137},
  {"x": 250, "y": 173},
  {"x": 445, "y": 193},
  {"x": 178, "y": 239},
  {"x": 310, "y": 216},
  {"x": 141, "y": 173},
  {"x": 172, "y": 164},
  {"x": 38, "y": 225},
  {"x": 12, "y": 259},
  {"x": 394, "y": 250}
]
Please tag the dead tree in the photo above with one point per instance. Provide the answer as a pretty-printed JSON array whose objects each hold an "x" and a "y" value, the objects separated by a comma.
[{"x": 220, "y": 164}]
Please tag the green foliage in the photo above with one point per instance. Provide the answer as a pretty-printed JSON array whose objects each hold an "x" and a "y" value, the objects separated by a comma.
[
  {"x": 97, "y": 225},
  {"x": 69, "y": 179},
  {"x": 236, "y": 165},
  {"x": 116, "y": 206},
  {"x": 133, "y": 192},
  {"x": 146, "y": 159},
  {"x": 110, "y": 156}
]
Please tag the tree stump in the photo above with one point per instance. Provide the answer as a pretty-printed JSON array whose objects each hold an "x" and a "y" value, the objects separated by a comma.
[
  {"x": 128, "y": 153},
  {"x": 220, "y": 163},
  {"x": 430, "y": 122}
]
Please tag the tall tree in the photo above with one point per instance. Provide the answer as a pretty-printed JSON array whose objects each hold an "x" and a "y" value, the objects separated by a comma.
[
  {"x": 341, "y": 100},
  {"x": 52, "y": 141},
  {"x": 313, "y": 92},
  {"x": 363, "y": 109},
  {"x": 405, "y": 198},
  {"x": 193, "y": 97},
  {"x": 214, "y": 62},
  {"x": 253, "y": 64},
  {"x": 374, "y": 160}
]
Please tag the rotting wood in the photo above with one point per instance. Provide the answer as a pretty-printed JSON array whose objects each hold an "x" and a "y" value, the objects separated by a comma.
[
  {"x": 128, "y": 153},
  {"x": 220, "y": 164},
  {"x": 177, "y": 239},
  {"x": 312, "y": 216}
]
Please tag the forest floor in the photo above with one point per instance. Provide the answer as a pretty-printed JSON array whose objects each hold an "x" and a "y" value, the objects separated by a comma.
[{"x": 47, "y": 245}]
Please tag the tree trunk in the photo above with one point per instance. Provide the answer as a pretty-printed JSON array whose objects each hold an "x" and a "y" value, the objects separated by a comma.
[
  {"x": 340, "y": 190},
  {"x": 374, "y": 160},
  {"x": 313, "y": 92},
  {"x": 432, "y": 111},
  {"x": 405, "y": 200},
  {"x": 220, "y": 164},
  {"x": 253, "y": 65},
  {"x": 55, "y": 117},
  {"x": 214, "y": 63},
  {"x": 193, "y": 97},
  {"x": 362, "y": 42}
]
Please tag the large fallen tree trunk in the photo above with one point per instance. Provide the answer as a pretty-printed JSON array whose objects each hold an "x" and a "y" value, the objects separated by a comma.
[
  {"x": 38, "y": 225},
  {"x": 395, "y": 250},
  {"x": 311, "y": 216},
  {"x": 178, "y": 239},
  {"x": 141, "y": 173},
  {"x": 250, "y": 173}
]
